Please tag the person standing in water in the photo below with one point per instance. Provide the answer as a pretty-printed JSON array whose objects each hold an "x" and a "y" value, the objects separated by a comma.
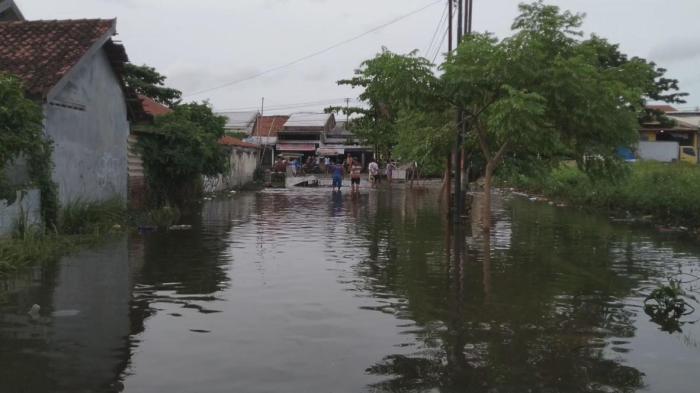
[
  {"x": 390, "y": 167},
  {"x": 373, "y": 172},
  {"x": 337, "y": 171},
  {"x": 355, "y": 170}
]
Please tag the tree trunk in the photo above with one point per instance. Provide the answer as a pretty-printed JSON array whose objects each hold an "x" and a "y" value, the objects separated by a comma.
[{"x": 486, "y": 213}]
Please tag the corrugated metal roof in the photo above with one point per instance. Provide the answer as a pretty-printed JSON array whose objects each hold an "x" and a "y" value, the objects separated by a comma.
[
  {"x": 687, "y": 121},
  {"x": 308, "y": 120},
  {"x": 243, "y": 121}
]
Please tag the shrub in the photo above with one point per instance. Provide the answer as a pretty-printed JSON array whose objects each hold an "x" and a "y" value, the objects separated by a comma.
[{"x": 87, "y": 217}]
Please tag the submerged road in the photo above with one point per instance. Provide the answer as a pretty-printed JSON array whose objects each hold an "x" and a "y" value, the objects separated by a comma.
[{"x": 302, "y": 290}]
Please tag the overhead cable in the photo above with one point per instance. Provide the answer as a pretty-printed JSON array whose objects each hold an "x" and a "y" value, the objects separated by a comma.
[{"x": 314, "y": 54}]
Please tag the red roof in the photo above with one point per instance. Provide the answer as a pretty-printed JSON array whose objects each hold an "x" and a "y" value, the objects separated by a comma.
[
  {"x": 153, "y": 108},
  {"x": 269, "y": 125},
  {"x": 40, "y": 53},
  {"x": 662, "y": 108},
  {"x": 231, "y": 141}
]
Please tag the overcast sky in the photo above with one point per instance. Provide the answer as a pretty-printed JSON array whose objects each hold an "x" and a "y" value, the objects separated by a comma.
[{"x": 207, "y": 43}]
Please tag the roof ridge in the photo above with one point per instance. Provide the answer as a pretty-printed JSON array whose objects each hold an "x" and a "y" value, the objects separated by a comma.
[{"x": 59, "y": 20}]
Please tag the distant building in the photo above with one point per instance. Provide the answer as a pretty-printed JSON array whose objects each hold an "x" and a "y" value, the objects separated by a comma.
[
  {"x": 340, "y": 141},
  {"x": 73, "y": 69},
  {"x": 684, "y": 131},
  {"x": 137, "y": 186},
  {"x": 240, "y": 122},
  {"x": 303, "y": 133},
  {"x": 265, "y": 135}
]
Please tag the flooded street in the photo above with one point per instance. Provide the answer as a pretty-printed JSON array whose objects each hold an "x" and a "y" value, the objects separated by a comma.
[{"x": 307, "y": 291}]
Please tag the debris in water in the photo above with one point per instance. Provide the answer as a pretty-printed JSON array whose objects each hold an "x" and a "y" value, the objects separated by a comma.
[
  {"x": 34, "y": 311},
  {"x": 179, "y": 227}
]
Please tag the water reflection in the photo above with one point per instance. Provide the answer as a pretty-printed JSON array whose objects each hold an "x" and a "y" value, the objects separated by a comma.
[
  {"x": 79, "y": 340},
  {"x": 308, "y": 290}
]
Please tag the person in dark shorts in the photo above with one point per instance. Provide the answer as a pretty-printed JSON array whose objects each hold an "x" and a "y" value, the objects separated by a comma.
[{"x": 355, "y": 170}]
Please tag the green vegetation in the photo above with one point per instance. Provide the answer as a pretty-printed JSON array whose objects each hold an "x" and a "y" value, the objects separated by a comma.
[
  {"x": 545, "y": 93},
  {"x": 147, "y": 81},
  {"x": 182, "y": 148},
  {"x": 80, "y": 224},
  {"x": 22, "y": 137},
  {"x": 668, "y": 192}
]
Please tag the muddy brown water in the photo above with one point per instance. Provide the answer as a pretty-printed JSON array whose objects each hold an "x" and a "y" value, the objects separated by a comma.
[{"x": 309, "y": 291}]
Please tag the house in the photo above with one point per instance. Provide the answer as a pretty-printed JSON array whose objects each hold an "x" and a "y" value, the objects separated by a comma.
[
  {"x": 240, "y": 122},
  {"x": 265, "y": 135},
  {"x": 137, "y": 188},
  {"x": 73, "y": 69},
  {"x": 340, "y": 141},
  {"x": 303, "y": 133},
  {"x": 684, "y": 131}
]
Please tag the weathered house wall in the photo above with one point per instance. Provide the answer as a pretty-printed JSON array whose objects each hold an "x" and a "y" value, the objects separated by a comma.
[
  {"x": 242, "y": 165},
  {"x": 87, "y": 120}
]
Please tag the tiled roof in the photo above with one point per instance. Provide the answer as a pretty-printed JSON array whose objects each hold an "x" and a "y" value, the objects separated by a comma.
[
  {"x": 231, "y": 141},
  {"x": 42, "y": 52},
  {"x": 153, "y": 108},
  {"x": 270, "y": 125}
]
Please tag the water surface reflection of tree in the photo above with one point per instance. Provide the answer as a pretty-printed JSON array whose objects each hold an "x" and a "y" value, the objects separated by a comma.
[{"x": 537, "y": 315}]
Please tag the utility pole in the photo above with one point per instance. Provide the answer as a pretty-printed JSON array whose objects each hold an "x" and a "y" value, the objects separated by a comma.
[
  {"x": 448, "y": 167},
  {"x": 457, "y": 151},
  {"x": 347, "y": 112}
]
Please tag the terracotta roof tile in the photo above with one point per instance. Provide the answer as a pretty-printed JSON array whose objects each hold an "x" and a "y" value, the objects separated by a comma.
[
  {"x": 153, "y": 108},
  {"x": 270, "y": 125},
  {"x": 42, "y": 52},
  {"x": 231, "y": 141}
]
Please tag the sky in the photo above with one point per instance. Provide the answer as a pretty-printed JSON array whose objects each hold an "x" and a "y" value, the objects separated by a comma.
[{"x": 203, "y": 44}]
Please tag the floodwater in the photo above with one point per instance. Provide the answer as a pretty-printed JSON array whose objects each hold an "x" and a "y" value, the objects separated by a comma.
[{"x": 308, "y": 291}]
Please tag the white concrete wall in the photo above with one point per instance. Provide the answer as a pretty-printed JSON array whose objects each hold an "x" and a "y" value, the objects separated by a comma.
[
  {"x": 27, "y": 203},
  {"x": 90, "y": 145},
  {"x": 242, "y": 165}
]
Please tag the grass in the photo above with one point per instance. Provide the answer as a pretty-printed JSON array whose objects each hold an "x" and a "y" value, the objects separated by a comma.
[
  {"x": 668, "y": 192},
  {"x": 80, "y": 224}
]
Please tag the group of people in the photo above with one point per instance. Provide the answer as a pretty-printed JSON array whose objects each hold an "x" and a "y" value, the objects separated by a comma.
[
  {"x": 354, "y": 168},
  {"x": 350, "y": 166}
]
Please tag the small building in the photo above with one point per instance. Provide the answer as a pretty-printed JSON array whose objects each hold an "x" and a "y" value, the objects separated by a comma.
[
  {"x": 240, "y": 122},
  {"x": 341, "y": 142},
  {"x": 243, "y": 159},
  {"x": 73, "y": 69},
  {"x": 137, "y": 186},
  {"x": 303, "y": 133},
  {"x": 265, "y": 135},
  {"x": 684, "y": 131}
]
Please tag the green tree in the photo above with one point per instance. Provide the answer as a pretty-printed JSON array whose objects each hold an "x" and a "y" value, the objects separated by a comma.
[
  {"x": 181, "y": 147},
  {"x": 391, "y": 83},
  {"x": 147, "y": 81},
  {"x": 544, "y": 93},
  {"x": 425, "y": 137}
]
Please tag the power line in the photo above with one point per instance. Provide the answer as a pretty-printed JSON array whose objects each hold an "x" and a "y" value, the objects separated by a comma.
[
  {"x": 314, "y": 54},
  {"x": 444, "y": 37},
  {"x": 439, "y": 26},
  {"x": 287, "y": 105}
]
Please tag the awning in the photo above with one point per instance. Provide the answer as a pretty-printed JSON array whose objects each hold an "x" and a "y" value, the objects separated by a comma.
[
  {"x": 295, "y": 147},
  {"x": 330, "y": 151}
]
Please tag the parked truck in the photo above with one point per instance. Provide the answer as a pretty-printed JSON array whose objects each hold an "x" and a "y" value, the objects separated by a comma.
[{"x": 666, "y": 151}]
